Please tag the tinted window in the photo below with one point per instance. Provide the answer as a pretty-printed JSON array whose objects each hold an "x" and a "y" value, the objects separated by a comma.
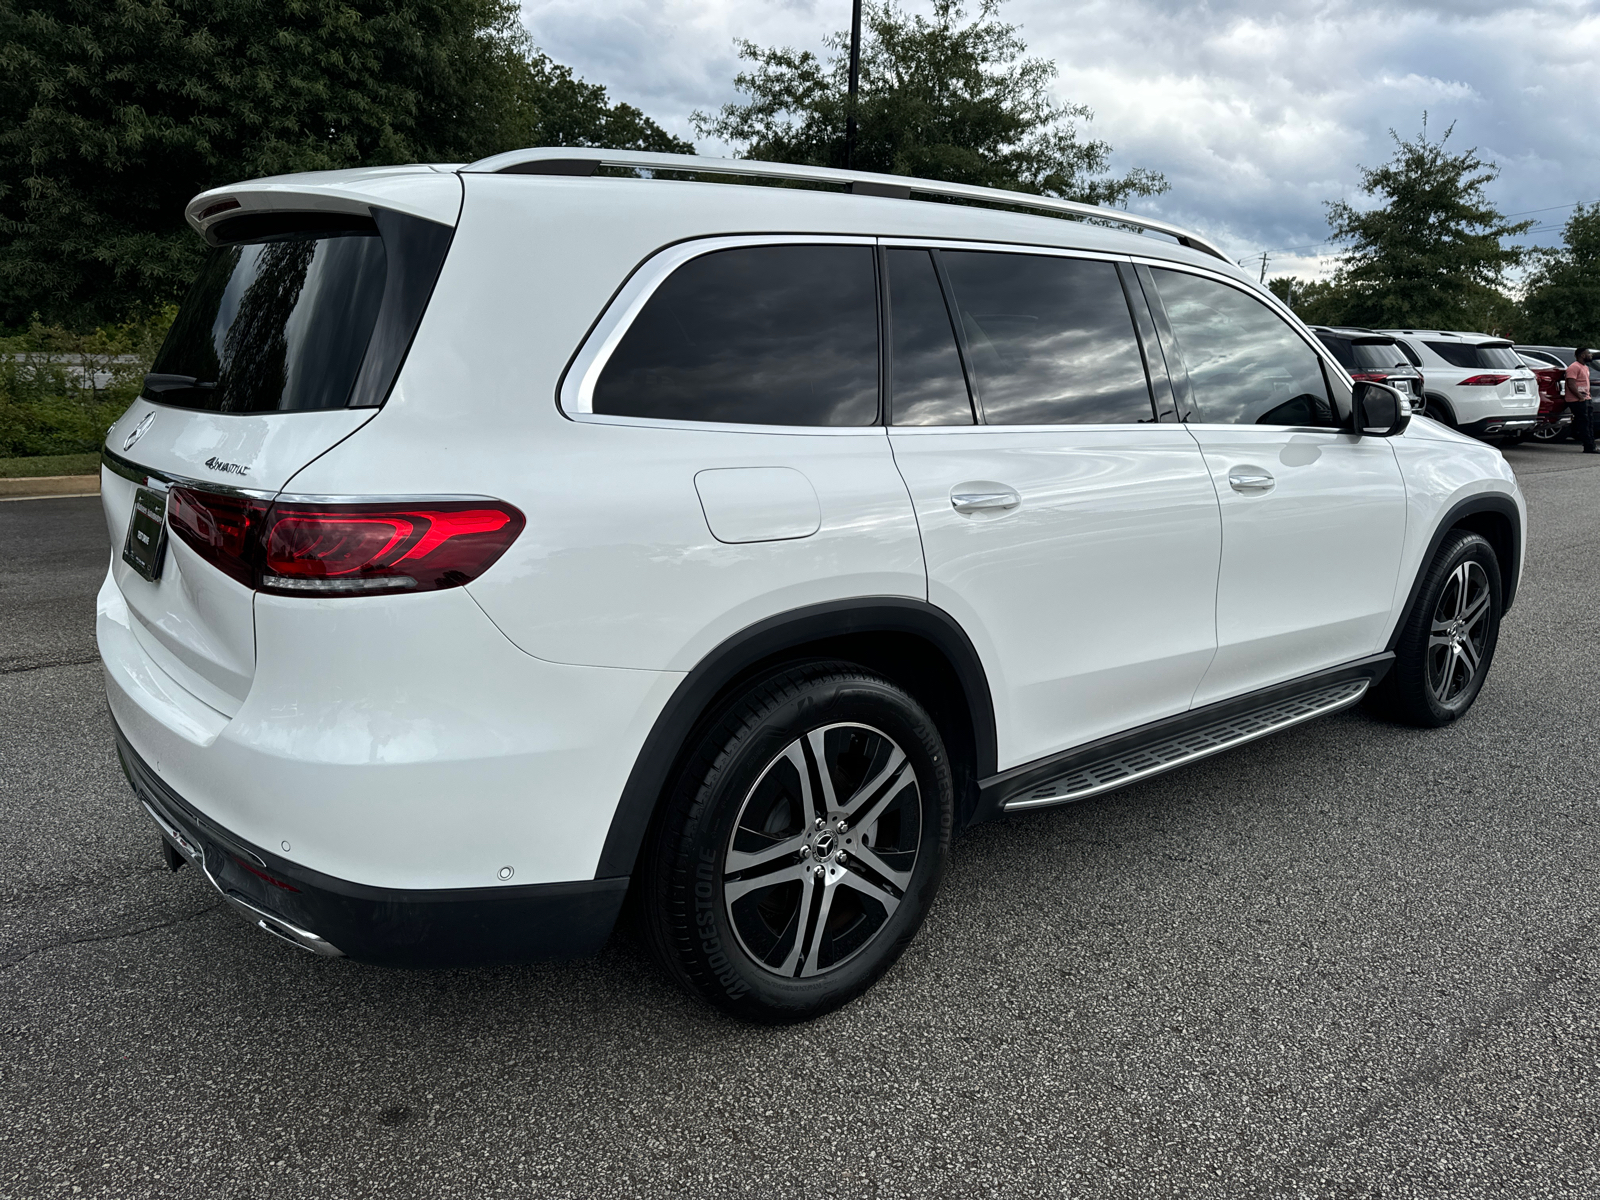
[
  {"x": 1051, "y": 339},
  {"x": 926, "y": 382},
  {"x": 1246, "y": 365},
  {"x": 763, "y": 335},
  {"x": 1464, "y": 354},
  {"x": 274, "y": 326},
  {"x": 1341, "y": 349},
  {"x": 1377, "y": 356},
  {"x": 1411, "y": 355}
]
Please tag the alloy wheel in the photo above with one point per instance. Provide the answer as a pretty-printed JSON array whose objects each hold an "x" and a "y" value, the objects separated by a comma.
[
  {"x": 1459, "y": 632},
  {"x": 823, "y": 849}
]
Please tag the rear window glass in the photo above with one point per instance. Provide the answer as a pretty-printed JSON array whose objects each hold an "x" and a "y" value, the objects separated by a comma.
[
  {"x": 278, "y": 325},
  {"x": 1376, "y": 356},
  {"x": 1341, "y": 349},
  {"x": 1465, "y": 354},
  {"x": 1051, "y": 339},
  {"x": 760, "y": 335}
]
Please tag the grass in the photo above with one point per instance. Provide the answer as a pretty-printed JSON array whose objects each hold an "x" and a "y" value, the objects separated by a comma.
[{"x": 49, "y": 464}]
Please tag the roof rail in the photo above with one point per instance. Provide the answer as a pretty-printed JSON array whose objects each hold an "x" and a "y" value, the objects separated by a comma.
[{"x": 583, "y": 160}]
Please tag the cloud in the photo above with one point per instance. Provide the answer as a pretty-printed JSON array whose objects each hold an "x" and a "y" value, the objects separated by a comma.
[{"x": 1256, "y": 113}]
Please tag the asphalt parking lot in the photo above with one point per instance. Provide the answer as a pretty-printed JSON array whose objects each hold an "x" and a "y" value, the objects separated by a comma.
[{"x": 1354, "y": 960}]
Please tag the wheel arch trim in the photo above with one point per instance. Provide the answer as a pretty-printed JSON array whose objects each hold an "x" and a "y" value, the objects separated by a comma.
[
  {"x": 1496, "y": 503},
  {"x": 699, "y": 689}
]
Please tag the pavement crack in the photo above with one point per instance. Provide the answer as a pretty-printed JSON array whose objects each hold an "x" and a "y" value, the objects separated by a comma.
[
  {"x": 137, "y": 931},
  {"x": 19, "y": 668},
  {"x": 1559, "y": 962}
]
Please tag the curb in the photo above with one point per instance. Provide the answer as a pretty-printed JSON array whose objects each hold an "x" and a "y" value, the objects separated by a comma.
[{"x": 49, "y": 487}]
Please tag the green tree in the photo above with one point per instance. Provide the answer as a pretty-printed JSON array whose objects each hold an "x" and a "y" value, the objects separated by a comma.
[
  {"x": 114, "y": 114},
  {"x": 1561, "y": 303},
  {"x": 1433, "y": 253},
  {"x": 940, "y": 97}
]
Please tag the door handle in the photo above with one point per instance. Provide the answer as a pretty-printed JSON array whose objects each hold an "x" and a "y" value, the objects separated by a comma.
[
  {"x": 1250, "y": 479},
  {"x": 974, "y": 501}
]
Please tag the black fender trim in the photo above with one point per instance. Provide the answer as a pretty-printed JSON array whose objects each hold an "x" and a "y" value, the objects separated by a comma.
[
  {"x": 1485, "y": 502},
  {"x": 997, "y": 789},
  {"x": 668, "y": 738}
]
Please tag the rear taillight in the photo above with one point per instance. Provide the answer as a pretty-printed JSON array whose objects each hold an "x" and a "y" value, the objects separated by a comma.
[
  {"x": 1484, "y": 380},
  {"x": 1370, "y": 376},
  {"x": 221, "y": 529},
  {"x": 337, "y": 549},
  {"x": 354, "y": 548}
]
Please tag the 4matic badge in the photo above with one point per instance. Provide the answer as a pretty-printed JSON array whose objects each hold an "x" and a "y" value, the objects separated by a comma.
[{"x": 227, "y": 468}]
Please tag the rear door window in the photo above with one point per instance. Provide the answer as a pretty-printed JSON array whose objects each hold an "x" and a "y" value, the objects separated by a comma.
[
  {"x": 759, "y": 335},
  {"x": 1246, "y": 364},
  {"x": 279, "y": 324},
  {"x": 1051, "y": 340},
  {"x": 927, "y": 385}
]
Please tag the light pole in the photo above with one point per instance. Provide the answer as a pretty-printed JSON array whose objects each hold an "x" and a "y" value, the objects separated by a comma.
[{"x": 855, "y": 79}]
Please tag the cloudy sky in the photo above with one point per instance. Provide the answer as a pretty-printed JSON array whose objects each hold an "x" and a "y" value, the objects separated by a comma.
[{"x": 1255, "y": 112}]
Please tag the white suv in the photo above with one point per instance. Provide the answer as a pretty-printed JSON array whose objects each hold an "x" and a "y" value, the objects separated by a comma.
[
  {"x": 492, "y": 541},
  {"x": 1473, "y": 382}
]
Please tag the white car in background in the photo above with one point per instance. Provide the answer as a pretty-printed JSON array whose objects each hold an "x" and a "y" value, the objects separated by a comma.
[
  {"x": 493, "y": 541},
  {"x": 1473, "y": 382}
]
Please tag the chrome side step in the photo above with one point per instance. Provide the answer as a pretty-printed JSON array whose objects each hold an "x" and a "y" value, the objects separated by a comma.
[{"x": 1120, "y": 768}]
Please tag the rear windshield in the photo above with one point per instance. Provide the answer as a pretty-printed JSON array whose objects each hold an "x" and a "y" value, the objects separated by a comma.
[
  {"x": 1377, "y": 356},
  {"x": 279, "y": 324},
  {"x": 1464, "y": 354}
]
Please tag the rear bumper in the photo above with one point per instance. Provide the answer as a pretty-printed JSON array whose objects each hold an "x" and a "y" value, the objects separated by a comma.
[
  {"x": 1494, "y": 426},
  {"x": 337, "y": 918}
]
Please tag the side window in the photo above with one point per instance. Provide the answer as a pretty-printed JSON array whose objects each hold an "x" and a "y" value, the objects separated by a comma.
[
  {"x": 1051, "y": 339},
  {"x": 927, "y": 386},
  {"x": 1246, "y": 364},
  {"x": 761, "y": 335},
  {"x": 1411, "y": 355}
]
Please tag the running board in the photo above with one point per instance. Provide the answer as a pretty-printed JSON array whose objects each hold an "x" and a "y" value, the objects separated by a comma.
[{"x": 1165, "y": 745}]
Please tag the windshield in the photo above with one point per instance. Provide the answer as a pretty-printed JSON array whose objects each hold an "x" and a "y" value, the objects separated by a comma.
[{"x": 277, "y": 325}]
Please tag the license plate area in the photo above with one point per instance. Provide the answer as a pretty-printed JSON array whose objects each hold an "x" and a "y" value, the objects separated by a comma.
[
  {"x": 146, "y": 544},
  {"x": 1521, "y": 389}
]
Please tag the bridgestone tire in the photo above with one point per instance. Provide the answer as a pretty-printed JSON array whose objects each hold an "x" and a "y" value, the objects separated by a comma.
[
  {"x": 1410, "y": 693},
  {"x": 745, "y": 757}
]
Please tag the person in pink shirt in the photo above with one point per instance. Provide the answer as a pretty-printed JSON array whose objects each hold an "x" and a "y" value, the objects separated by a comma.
[{"x": 1578, "y": 398}]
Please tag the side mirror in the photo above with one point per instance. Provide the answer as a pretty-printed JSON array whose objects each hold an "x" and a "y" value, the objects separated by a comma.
[{"x": 1380, "y": 411}]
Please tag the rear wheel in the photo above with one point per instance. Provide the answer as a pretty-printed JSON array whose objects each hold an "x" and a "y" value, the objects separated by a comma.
[
  {"x": 1444, "y": 652},
  {"x": 802, "y": 845},
  {"x": 1548, "y": 434},
  {"x": 1440, "y": 412}
]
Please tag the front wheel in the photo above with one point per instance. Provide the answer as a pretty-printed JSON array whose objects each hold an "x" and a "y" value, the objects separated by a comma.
[
  {"x": 1443, "y": 654},
  {"x": 802, "y": 845}
]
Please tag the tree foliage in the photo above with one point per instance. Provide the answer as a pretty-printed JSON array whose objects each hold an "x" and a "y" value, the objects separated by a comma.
[
  {"x": 1433, "y": 253},
  {"x": 113, "y": 113},
  {"x": 1561, "y": 306},
  {"x": 940, "y": 97}
]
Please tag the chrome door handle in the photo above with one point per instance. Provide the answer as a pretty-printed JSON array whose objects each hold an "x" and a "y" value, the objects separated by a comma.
[
  {"x": 979, "y": 501},
  {"x": 1250, "y": 481}
]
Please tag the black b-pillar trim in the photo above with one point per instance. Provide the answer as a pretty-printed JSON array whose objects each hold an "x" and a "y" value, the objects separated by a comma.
[{"x": 668, "y": 739}]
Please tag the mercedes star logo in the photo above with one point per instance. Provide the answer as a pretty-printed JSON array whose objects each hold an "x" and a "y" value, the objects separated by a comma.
[{"x": 137, "y": 431}]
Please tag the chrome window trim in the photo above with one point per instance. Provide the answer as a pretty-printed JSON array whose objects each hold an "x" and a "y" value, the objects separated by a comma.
[{"x": 575, "y": 396}]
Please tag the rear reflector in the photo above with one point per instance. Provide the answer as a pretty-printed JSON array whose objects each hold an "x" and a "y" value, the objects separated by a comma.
[{"x": 331, "y": 549}]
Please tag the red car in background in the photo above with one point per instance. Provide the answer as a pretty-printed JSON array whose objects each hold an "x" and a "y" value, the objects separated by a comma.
[{"x": 1555, "y": 422}]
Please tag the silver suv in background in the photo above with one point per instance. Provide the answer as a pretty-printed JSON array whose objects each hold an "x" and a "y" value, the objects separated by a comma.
[
  {"x": 1472, "y": 382},
  {"x": 1375, "y": 357}
]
